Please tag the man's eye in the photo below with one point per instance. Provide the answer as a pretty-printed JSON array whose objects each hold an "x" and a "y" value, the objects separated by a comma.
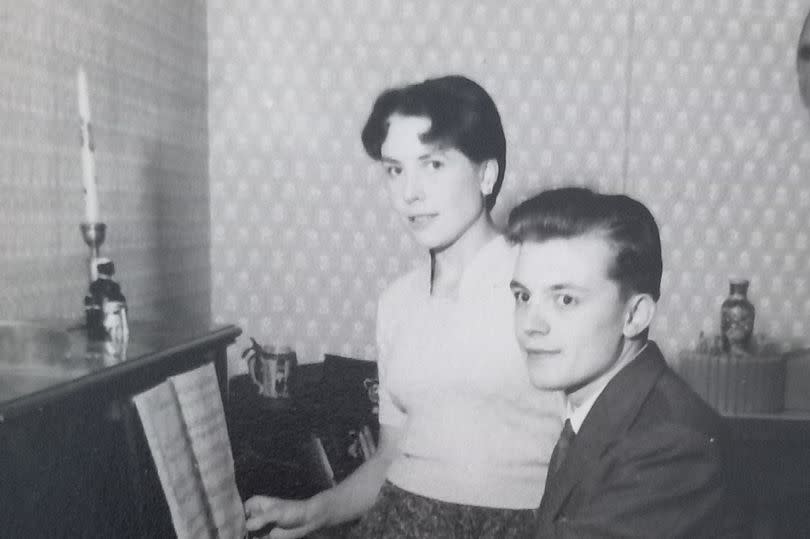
[
  {"x": 565, "y": 300},
  {"x": 521, "y": 296},
  {"x": 393, "y": 171}
]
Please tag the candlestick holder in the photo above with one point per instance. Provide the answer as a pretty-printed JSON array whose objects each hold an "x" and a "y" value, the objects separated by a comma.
[{"x": 93, "y": 235}]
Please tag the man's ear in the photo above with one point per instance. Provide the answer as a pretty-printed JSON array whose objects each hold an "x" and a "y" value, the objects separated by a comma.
[
  {"x": 489, "y": 175},
  {"x": 639, "y": 312}
]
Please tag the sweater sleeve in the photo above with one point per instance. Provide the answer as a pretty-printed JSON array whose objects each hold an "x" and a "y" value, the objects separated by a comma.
[{"x": 390, "y": 413}]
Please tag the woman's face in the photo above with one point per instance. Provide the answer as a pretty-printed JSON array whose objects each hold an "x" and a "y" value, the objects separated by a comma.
[{"x": 437, "y": 190}]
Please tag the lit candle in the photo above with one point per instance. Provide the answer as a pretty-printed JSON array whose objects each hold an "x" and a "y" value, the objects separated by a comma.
[{"x": 88, "y": 160}]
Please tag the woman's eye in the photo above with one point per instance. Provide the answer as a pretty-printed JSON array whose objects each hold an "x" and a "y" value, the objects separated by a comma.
[
  {"x": 435, "y": 165},
  {"x": 521, "y": 296},
  {"x": 565, "y": 300},
  {"x": 393, "y": 171}
]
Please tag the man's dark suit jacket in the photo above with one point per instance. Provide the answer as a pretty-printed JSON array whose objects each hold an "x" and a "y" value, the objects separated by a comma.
[{"x": 646, "y": 462}]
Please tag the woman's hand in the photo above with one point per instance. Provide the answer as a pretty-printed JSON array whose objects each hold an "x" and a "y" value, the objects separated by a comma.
[
  {"x": 284, "y": 519},
  {"x": 276, "y": 518}
]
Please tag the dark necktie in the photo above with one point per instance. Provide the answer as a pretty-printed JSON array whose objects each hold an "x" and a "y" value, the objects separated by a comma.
[{"x": 561, "y": 449}]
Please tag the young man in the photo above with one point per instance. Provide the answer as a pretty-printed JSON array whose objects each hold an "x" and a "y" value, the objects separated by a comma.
[{"x": 642, "y": 452}]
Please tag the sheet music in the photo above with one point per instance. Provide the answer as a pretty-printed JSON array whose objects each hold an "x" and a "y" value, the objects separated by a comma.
[{"x": 184, "y": 422}]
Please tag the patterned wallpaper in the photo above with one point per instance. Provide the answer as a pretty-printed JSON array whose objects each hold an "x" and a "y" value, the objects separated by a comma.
[
  {"x": 692, "y": 106},
  {"x": 720, "y": 148},
  {"x": 146, "y": 65}
]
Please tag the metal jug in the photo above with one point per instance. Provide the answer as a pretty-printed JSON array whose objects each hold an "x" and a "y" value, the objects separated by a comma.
[{"x": 271, "y": 369}]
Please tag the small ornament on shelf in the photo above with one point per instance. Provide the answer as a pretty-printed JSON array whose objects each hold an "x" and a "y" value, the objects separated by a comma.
[
  {"x": 737, "y": 315},
  {"x": 105, "y": 305}
]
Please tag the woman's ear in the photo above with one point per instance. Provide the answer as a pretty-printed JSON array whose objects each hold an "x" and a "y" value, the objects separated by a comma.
[
  {"x": 639, "y": 312},
  {"x": 489, "y": 175}
]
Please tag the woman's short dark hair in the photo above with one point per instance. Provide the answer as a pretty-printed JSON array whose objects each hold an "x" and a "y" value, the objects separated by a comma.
[
  {"x": 627, "y": 224},
  {"x": 462, "y": 115}
]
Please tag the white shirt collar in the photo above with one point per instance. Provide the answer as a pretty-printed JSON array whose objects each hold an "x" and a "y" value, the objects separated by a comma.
[{"x": 577, "y": 415}]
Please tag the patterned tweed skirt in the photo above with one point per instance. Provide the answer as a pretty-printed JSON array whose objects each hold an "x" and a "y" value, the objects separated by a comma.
[{"x": 399, "y": 514}]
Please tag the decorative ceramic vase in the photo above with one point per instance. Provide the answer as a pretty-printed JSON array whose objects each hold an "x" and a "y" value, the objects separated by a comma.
[{"x": 737, "y": 318}]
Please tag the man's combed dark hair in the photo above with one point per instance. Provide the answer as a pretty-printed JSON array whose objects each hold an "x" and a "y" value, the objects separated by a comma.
[
  {"x": 575, "y": 211},
  {"x": 462, "y": 114}
]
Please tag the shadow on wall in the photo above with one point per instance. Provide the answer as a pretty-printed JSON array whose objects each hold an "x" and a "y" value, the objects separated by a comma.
[{"x": 179, "y": 240}]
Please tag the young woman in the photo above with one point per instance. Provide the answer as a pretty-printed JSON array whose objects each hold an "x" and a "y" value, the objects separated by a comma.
[{"x": 464, "y": 437}]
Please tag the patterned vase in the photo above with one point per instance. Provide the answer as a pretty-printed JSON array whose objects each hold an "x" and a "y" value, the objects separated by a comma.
[{"x": 737, "y": 318}]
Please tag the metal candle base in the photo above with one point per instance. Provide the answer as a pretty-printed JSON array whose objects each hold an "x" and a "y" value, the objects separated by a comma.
[{"x": 93, "y": 235}]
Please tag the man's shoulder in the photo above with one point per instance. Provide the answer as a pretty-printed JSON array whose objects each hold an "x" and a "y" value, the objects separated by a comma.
[
  {"x": 648, "y": 396},
  {"x": 671, "y": 421},
  {"x": 656, "y": 395},
  {"x": 673, "y": 401}
]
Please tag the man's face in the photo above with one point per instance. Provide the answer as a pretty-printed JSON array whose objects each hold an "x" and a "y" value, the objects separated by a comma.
[
  {"x": 569, "y": 316},
  {"x": 437, "y": 190}
]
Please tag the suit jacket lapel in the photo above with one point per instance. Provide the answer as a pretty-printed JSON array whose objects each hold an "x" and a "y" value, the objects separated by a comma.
[
  {"x": 560, "y": 485},
  {"x": 611, "y": 415}
]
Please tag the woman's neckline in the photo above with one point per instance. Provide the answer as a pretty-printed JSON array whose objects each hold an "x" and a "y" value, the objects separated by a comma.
[{"x": 453, "y": 292}]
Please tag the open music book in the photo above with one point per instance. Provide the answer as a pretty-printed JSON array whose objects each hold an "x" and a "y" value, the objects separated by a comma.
[{"x": 184, "y": 423}]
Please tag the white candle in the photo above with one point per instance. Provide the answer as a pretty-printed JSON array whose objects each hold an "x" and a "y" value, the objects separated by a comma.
[{"x": 88, "y": 160}]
